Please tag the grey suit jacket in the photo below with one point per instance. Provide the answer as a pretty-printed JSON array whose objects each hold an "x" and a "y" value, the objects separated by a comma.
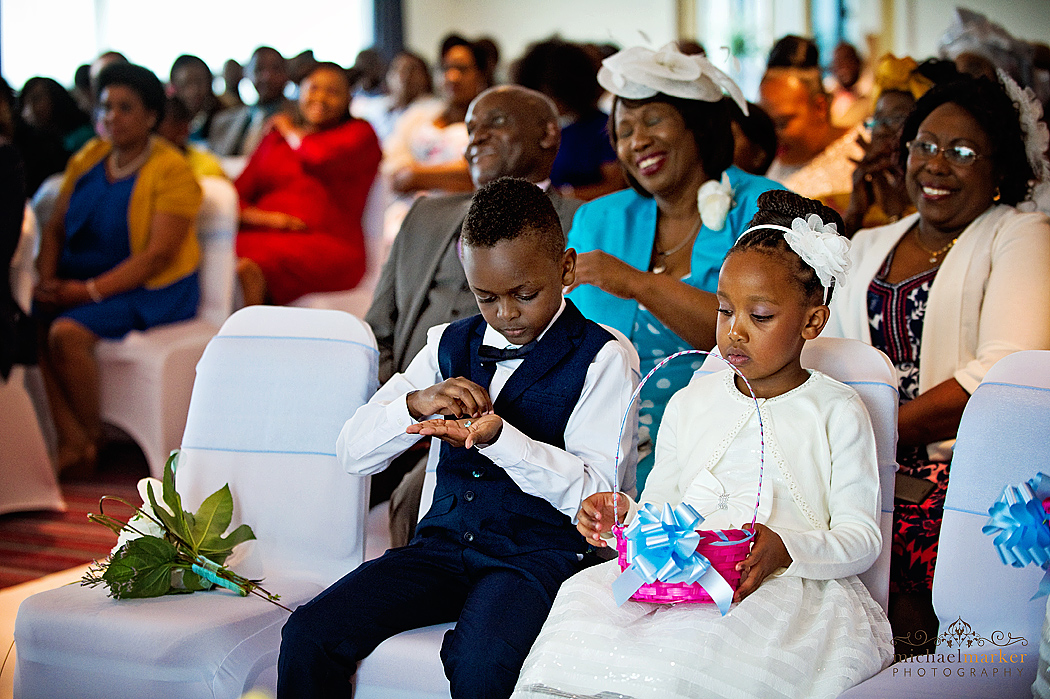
[{"x": 401, "y": 293}]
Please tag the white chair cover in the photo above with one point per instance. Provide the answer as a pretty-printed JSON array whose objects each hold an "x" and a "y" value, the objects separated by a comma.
[
  {"x": 273, "y": 389},
  {"x": 983, "y": 606}
]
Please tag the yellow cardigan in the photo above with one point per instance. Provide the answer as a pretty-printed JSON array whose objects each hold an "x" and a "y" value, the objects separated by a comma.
[{"x": 165, "y": 183}]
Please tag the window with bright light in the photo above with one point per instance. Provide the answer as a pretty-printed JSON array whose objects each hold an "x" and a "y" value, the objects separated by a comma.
[{"x": 53, "y": 37}]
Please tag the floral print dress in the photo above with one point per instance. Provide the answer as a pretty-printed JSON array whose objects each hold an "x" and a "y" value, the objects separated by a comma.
[{"x": 895, "y": 315}]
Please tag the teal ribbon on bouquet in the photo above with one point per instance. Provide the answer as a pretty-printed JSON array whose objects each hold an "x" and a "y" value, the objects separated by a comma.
[
  {"x": 662, "y": 547},
  {"x": 1021, "y": 527}
]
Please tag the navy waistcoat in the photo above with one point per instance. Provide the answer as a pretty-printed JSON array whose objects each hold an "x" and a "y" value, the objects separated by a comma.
[{"x": 475, "y": 501}]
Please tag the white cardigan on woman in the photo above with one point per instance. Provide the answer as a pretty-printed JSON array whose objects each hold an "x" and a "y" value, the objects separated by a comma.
[{"x": 990, "y": 297}]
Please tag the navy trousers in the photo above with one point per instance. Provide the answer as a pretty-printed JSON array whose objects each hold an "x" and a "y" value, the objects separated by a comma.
[{"x": 499, "y": 605}]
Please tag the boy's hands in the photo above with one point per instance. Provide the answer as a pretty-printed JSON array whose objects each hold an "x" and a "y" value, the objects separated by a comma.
[
  {"x": 596, "y": 516},
  {"x": 768, "y": 553},
  {"x": 457, "y": 396},
  {"x": 465, "y": 432}
]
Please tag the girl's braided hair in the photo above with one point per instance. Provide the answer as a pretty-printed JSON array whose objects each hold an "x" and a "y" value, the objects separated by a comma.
[{"x": 780, "y": 207}]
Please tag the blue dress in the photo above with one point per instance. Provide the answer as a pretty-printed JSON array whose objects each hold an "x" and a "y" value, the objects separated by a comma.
[
  {"x": 623, "y": 224},
  {"x": 97, "y": 240}
]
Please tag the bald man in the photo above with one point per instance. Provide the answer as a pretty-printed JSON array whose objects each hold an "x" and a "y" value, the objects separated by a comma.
[{"x": 513, "y": 132}]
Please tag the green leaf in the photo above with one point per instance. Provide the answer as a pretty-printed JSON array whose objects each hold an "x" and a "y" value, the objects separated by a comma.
[
  {"x": 171, "y": 496},
  {"x": 193, "y": 582},
  {"x": 212, "y": 518},
  {"x": 141, "y": 568},
  {"x": 213, "y": 547},
  {"x": 171, "y": 523}
]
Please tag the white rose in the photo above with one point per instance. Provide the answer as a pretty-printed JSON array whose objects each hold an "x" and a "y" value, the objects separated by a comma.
[{"x": 714, "y": 200}]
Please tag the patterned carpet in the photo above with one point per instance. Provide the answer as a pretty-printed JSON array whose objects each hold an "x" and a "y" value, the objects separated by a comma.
[{"x": 34, "y": 544}]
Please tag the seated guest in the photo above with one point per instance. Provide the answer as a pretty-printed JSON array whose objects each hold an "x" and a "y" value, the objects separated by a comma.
[
  {"x": 425, "y": 152},
  {"x": 946, "y": 292},
  {"x": 815, "y": 158},
  {"x": 302, "y": 195},
  {"x": 586, "y": 165},
  {"x": 793, "y": 51},
  {"x": 232, "y": 75},
  {"x": 534, "y": 430},
  {"x": 119, "y": 253},
  {"x": 754, "y": 139},
  {"x": 879, "y": 195},
  {"x": 52, "y": 128},
  {"x": 191, "y": 80},
  {"x": 175, "y": 126},
  {"x": 12, "y": 209},
  {"x": 513, "y": 132},
  {"x": 650, "y": 255},
  {"x": 238, "y": 131},
  {"x": 407, "y": 81},
  {"x": 850, "y": 101}
]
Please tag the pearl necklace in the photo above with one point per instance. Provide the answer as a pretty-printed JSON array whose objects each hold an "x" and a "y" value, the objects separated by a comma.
[
  {"x": 934, "y": 254},
  {"x": 661, "y": 266},
  {"x": 118, "y": 172}
]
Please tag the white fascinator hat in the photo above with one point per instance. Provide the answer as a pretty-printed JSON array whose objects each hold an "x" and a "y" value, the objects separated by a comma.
[{"x": 639, "y": 73}]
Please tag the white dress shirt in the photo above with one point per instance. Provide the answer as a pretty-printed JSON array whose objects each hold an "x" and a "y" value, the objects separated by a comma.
[{"x": 563, "y": 477}]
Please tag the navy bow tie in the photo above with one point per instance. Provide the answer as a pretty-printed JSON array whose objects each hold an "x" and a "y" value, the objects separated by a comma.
[{"x": 488, "y": 353}]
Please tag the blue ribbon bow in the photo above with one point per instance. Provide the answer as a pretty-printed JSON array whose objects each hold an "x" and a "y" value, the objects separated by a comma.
[
  {"x": 663, "y": 547},
  {"x": 1020, "y": 526}
]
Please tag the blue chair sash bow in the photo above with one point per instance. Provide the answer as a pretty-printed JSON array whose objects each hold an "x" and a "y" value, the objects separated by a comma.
[
  {"x": 662, "y": 547},
  {"x": 1021, "y": 527}
]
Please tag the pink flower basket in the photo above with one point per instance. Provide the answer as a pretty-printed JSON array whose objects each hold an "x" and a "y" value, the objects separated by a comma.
[
  {"x": 724, "y": 548},
  {"x": 723, "y": 557}
]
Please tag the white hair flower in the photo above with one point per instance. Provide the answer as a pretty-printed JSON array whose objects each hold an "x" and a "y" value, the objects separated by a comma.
[
  {"x": 821, "y": 247},
  {"x": 639, "y": 73},
  {"x": 1036, "y": 133},
  {"x": 714, "y": 200}
]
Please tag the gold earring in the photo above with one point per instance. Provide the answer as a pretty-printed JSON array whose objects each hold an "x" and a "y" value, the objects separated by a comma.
[{"x": 998, "y": 195}]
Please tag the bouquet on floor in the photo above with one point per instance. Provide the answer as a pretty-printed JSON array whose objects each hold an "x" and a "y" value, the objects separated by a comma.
[
  {"x": 164, "y": 550},
  {"x": 1020, "y": 522}
]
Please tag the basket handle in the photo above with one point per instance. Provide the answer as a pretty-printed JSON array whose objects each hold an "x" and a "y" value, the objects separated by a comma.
[{"x": 637, "y": 393}]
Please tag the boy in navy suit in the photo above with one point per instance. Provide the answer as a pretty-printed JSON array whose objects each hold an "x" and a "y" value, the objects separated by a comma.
[{"x": 534, "y": 394}]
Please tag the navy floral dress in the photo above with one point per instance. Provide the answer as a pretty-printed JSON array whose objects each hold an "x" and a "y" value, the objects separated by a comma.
[{"x": 895, "y": 316}]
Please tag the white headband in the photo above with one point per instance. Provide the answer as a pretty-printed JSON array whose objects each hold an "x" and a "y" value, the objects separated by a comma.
[
  {"x": 819, "y": 245},
  {"x": 639, "y": 73}
]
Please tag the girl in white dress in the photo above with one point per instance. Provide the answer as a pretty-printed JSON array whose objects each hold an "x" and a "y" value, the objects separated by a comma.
[{"x": 803, "y": 625}]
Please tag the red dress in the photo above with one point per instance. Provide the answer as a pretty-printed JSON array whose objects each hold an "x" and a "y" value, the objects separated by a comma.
[{"x": 325, "y": 183}]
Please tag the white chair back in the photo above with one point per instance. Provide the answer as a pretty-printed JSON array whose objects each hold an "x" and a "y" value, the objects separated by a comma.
[
  {"x": 1002, "y": 441},
  {"x": 273, "y": 390},
  {"x": 216, "y": 232},
  {"x": 870, "y": 373}
]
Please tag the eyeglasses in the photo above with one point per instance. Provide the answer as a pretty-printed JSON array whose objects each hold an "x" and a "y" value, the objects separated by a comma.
[
  {"x": 891, "y": 122},
  {"x": 956, "y": 155}
]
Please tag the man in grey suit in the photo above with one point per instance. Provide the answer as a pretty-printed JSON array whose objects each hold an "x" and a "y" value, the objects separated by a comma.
[
  {"x": 513, "y": 132},
  {"x": 238, "y": 130}
]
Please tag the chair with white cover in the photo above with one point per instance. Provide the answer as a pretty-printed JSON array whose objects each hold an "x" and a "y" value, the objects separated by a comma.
[
  {"x": 983, "y": 606},
  {"x": 145, "y": 378},
  {"x": 273, "y": 389},
  {"x": 27, "y": 479},
  {"x": 408, "y": 666}
]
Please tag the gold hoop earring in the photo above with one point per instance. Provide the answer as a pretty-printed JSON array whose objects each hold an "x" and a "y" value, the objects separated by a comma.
[{"x": 998, "y": 195}]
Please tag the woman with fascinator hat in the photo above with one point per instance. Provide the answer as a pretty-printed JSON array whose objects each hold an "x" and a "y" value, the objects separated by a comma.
[
  {"x": 946, "y": 292},
  {"x": 649, "y": 255}
]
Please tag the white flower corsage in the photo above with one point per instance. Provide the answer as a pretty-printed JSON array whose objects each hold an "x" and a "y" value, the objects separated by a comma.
[
  {"x": 714, "y": 200},
  {"x": 639, "y": 72},
  {"x": 821, "y": 247},
  {"x": 144, "y": 523}
]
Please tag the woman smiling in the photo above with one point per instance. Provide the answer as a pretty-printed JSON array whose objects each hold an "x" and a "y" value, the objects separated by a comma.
[
  {"x": 302, "y": 196},
  {"x": 650, "y": 255},
  {"x": 945, "y": 293}
]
